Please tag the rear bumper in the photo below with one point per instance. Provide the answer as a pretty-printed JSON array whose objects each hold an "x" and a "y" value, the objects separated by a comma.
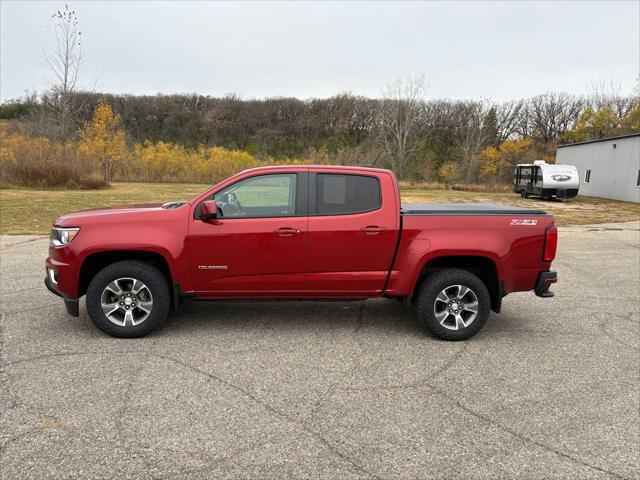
[
  {"x": 545, "y": 279},
  {"x": 71, "y": 304}
]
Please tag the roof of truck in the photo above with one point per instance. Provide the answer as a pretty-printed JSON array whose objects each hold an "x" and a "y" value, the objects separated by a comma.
[{"x": 319, "y": 167}]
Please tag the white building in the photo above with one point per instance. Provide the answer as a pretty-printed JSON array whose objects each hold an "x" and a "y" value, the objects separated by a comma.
[{"x": 608, "y": 168}]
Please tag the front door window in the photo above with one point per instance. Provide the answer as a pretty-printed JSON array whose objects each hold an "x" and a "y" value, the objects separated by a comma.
[{"x": 259, "y": 197}]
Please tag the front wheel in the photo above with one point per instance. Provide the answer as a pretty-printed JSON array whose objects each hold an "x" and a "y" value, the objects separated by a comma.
[
  {"x": 128, "y": 299},
  {"x": 453, "y": 304}
]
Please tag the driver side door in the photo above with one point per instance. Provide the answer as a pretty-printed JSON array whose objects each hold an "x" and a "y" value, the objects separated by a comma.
[{"x": 257, "y": 245}]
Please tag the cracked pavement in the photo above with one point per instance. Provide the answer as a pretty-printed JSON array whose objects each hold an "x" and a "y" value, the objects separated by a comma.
[{"x": 550, "y": 388}]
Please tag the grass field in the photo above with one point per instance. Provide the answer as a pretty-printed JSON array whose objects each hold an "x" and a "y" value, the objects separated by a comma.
[{"x": 26, "y": 211}]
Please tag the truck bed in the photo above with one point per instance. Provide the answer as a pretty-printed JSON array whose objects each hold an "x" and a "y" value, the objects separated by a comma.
[{"x": 464, "y": 209}]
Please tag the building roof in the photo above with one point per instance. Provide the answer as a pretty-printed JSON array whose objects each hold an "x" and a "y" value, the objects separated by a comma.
[{"x": 599, "y": 140}]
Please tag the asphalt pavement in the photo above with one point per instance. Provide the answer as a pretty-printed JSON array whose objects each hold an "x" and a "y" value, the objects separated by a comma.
[{"x": 550, "y": 388}]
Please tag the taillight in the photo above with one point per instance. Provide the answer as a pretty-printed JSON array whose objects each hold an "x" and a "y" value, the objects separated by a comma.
[{"x": 550, "y": 244}]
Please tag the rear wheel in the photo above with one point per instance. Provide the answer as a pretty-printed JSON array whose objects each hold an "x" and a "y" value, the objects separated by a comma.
[
  {"x": 128, "y": 299},
  {"x": 453, "y": 304}
]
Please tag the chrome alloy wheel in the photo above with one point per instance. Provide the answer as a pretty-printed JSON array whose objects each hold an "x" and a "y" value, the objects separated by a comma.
[
  {"x": 456, "y": 307},
  {"x": 126, "y": 302}
]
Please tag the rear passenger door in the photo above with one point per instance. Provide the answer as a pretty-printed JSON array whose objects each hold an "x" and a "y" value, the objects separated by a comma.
[{"x": 352, "y": 233}]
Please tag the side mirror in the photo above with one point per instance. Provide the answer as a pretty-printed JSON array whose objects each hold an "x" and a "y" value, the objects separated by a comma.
[{"x": 209, "y": 210}]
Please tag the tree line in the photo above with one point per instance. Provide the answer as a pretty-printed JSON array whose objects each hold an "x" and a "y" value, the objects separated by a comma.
[{"x": 420, "y": 139}]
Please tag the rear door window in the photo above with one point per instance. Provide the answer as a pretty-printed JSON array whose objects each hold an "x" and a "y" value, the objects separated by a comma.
[{"x": 346, "y": 194}]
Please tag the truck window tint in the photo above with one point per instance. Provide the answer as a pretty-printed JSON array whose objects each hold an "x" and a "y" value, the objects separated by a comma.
[
  {"x": 261, "y": 196},
  {"x": 341, "y": 194}
]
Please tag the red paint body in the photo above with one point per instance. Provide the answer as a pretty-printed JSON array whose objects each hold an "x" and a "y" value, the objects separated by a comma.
[{"x": 330, "y": 257}]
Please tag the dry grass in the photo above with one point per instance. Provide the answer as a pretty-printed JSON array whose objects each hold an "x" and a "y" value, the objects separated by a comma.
[{"x": 28, "y": 211}]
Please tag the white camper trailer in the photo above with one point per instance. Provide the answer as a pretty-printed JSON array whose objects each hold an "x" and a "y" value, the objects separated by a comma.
[{"x": 546, "y": 180}]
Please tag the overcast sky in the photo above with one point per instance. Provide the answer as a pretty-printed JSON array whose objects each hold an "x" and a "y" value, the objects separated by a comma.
[{"x": 476, "y": 50}]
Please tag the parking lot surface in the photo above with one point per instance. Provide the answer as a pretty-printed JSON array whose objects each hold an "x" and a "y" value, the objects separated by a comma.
[{"x": 550, "y": 388}]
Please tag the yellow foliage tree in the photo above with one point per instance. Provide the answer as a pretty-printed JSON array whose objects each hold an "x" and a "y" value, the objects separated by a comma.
[
  {"x": 489, "y": 160},
  {"x": 42, "y": 162},
  {"x": 632, "y": 120},
  {"x": 162, "y": 161},
  {"x": 595, "y": 124},
  {"x": 592, "y": 125},
  {"x": 449, "y": 173},
  {"x": 497, "y": 164},
  {"x": 102, "y": 141}
]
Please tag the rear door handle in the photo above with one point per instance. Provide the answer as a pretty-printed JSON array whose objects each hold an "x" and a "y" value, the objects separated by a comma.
[
  {"x": 373, "y": 230},
  {"x": 286, "y": 231}
]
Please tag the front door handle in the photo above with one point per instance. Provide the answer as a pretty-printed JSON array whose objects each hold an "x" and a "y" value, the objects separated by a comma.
[
  {"x": 373, "y": 230},
  {"x": 286, "y": 231}
]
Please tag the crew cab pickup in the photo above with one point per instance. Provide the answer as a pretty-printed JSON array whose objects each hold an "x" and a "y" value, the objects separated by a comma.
[{"x": 300, "y": 232}]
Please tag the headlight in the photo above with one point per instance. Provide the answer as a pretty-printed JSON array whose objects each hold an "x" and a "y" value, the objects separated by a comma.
[{"x": 62, "y": 236}]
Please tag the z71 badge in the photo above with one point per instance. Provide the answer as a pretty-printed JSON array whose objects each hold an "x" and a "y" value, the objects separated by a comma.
[{"x": 523, "y": 221}]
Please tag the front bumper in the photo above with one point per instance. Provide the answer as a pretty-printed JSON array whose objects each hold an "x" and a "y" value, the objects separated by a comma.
[
  {"x": 71, "y": 304},
  {"x": 545, "y": 279},
  {"x": 61, "y": 277},
  {"x": 50, "y": 287}
]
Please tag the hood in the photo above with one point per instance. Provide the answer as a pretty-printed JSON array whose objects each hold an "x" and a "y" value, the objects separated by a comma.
[
  {"x": 135, "y": 206},
  {"x": 112, "y": 212}
]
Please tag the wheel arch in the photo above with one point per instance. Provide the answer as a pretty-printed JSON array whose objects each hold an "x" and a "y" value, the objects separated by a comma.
[
  {"x": 95, "y": 262},
  {"x": 483, "y": 267}
]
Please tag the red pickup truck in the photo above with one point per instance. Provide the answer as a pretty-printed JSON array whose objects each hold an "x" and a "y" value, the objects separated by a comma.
[{"x": 300, "y": 232}]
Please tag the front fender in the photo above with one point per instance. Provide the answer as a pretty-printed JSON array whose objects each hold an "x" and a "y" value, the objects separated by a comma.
[{"x": 163, "y": 234}]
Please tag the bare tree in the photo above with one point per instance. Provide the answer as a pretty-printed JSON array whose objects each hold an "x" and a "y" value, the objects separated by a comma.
[
  {"x": 507, "y": 117},
  {"x": 64, "y": 60},
  {"x": 473, "y": 135},
  {"x": 607, "y": 95},
  {"x": 400, "y": 121},
  {"x": 552, "y": 114}
]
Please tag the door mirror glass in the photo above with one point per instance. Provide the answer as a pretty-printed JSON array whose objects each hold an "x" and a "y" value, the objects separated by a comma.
[{"x": 209, "y": 210}]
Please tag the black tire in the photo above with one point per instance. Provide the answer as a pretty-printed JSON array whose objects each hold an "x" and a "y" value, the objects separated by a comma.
[
  {"x": 444, "y": 279},
  {"x": 157, "y": 285}
]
